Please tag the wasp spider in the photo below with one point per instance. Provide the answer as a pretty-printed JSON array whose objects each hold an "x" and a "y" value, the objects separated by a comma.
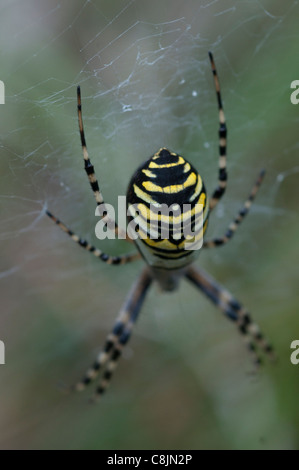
[{"x": 166, "y": 178}]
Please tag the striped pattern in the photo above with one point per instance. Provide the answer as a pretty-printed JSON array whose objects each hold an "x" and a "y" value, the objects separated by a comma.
[
  {"x": 167, "y": 181},
  {"x": 90, "y": 171},
  {"x": 233, "y": 310},
  {"x": 88, "y": 247},
  {"x": 111, "y": 353},
  {"x": 222, "y": 178},
  {"x": 241, "y": 215}
]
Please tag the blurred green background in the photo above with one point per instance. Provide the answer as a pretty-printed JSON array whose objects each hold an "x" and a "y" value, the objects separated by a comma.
[{"x": 185, "y": 381}]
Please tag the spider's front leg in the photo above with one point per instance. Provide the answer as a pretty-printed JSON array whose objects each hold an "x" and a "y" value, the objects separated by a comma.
[
  {"x": 110, "y": 354},
  {"x": 233, "y": 310},
  {"x": 90, "y": 171},
  {"x": 108, "y": 259},
  {"x": 222, "y": 178},
  {"x": 233, "y": 227}
]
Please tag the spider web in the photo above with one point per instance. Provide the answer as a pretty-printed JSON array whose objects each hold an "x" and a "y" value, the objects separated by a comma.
[{"x": 146, "y": 83}]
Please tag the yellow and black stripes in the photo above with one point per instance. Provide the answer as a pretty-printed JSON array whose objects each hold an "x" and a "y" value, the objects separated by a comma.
[
  {"x": 241, "y": 215},
  {"x": 119, "y": 337},
  {"x": 166, "y": 178},
  {"x": 90, "y": 171},
  {"x": 95, "y": 251},
  {"x": 233, "y": 310},
  {"x": 157, "y": 197},
  {"x": 89, "y": 168},
  {"x": 222, "y": 178},
  {"x": 166, "y": 195}
]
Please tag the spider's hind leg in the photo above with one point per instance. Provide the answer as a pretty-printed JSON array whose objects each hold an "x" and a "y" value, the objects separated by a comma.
[
  {"x": 120, "y": 335},
  {"x": 233, "y": 310}
]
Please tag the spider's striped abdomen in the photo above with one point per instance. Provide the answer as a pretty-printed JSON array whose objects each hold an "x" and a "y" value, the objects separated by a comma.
[{"x": 166, "y": 197}]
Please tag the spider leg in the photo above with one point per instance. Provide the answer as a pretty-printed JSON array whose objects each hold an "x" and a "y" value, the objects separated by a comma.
[
  {"x": 222, "y": 178},
  {"x": 233, "y": 310},
  {"x": 95, "y": 251},
  {"x": 119, "y": 337},
  {"x": 241, "y": 215},
  {"x": 89, "y": 168}
]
